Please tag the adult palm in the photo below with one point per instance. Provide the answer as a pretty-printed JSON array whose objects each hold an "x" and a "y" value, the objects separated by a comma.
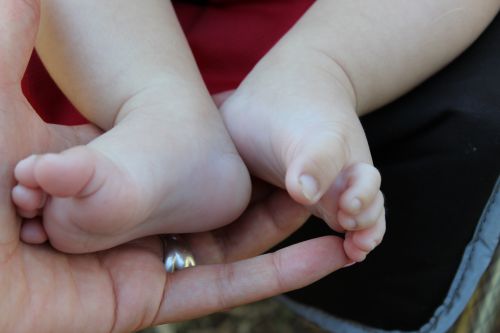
[{"x": 126, "y": 288}]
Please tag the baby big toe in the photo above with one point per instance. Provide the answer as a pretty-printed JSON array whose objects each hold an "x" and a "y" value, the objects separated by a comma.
[
  {"x": 24, "y": 172},
  {"x": 66, "y": 174},
  {"x": 28, "y": 200},
  {"x": 313, "y": 168}
]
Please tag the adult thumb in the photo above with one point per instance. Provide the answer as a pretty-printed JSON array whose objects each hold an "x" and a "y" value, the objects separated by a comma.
[{"x": 19, "y": 20}]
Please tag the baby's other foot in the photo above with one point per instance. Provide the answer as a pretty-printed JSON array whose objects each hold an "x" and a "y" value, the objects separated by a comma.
[
  {"x": 294, "y": 124},
  {"x": 157, "y": 171}
]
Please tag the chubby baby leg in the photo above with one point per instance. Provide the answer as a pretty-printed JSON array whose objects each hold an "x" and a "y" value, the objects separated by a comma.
[{"x": 294, "y": 123}]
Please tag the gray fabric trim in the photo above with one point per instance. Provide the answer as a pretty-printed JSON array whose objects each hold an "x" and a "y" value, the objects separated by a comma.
[{"x": 477, "y": 257}]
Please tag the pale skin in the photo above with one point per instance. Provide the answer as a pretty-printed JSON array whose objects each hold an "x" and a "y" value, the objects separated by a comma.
[
  {"x": 166, "y": 146},
  {"x": 126, "y": 288},
  {"x": 167, "y": 165},
  {"x": 342, "y": 60},
  {"x": 46, "y": 291},
  {"x": 298, "y": 131}
]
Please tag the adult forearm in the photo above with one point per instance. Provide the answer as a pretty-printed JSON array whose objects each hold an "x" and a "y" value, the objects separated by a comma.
[
  {"x": 386, "y": 47},
  {"x": 101, "y": 52}
]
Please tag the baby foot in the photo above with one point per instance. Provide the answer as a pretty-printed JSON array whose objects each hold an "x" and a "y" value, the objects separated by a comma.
[
  {"x": 294, "y": 124},
  {"x": 155, "y": 172}
]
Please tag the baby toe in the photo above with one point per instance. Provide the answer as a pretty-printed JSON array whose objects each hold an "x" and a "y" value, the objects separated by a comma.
[
  {"x": 28, "y": 199},
  {"x": 313, "y": 167},
  {"x": 363, "y": 185},
  {"x": 366, "y": 218},
  {"x": 33, "y": 232},
  {"x": 24, "y": 171},
  {"x": 352, "y": 251},
  {"x": 68, "y": 173},
  {"x": 368, "y": 239}
]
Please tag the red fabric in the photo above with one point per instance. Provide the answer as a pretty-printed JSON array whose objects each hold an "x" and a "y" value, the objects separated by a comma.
[{"x": 227, "y": 38}]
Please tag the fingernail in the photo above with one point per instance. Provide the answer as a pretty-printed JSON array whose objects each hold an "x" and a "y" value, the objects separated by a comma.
[
  {"x": 309, "y": 187},
  {"x": 350, "y": 264}
]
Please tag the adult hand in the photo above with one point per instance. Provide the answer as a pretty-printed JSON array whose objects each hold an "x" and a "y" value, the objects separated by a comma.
[{"x": 126, "y": 288}]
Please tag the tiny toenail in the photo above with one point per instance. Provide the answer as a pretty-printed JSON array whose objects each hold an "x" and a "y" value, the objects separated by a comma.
[
  {"x": 356, "y": 205},
  {"x": 350, "y": 264},
  {"x": 309, "y": 187}
]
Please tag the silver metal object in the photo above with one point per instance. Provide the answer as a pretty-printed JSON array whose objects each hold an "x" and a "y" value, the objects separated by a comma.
[{"x": 176, "y": 253}]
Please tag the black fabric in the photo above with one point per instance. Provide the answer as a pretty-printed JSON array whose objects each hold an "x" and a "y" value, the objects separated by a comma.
[{"x": 438, "y": 149}]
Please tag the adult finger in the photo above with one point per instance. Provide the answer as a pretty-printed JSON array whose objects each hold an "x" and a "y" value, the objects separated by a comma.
[
  {"x": 203, "y": 290},
  {"x": 18, "y": 28},
  {"x": 263, "y": 225}
]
